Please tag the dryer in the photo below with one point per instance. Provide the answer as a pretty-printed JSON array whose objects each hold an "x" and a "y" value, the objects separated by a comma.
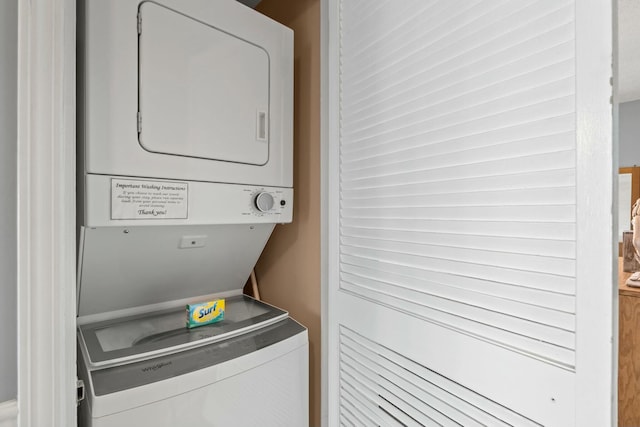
[{"x": 195, "y": 95}]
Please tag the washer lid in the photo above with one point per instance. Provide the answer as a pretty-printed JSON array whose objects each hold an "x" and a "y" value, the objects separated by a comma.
[
  {"x": 126, "y": 268},
  {"x": 126, "y": 340},
  {"x": 202, "y": 92}
]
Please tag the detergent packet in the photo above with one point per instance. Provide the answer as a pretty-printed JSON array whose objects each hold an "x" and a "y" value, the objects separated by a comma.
[{"x": 205, "y": 313}]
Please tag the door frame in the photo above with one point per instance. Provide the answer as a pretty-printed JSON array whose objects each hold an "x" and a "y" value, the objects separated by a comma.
[
  {"x": 596, "y": 166},
  {"x": 596, "y": 206},
  {"x": 46, "y": 213}
]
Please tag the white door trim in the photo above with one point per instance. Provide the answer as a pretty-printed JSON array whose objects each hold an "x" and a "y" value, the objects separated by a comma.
[
  {"x": 46, "y": 213},
  {"x": 9, "y": 413},
  {"x": 597, "y": 291},
  {"x": 330, "y": 21},
  {"x": 328, "y": 214}
]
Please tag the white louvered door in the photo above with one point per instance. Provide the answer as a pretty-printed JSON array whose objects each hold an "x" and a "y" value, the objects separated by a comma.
[{"x": 469, "y": 213}]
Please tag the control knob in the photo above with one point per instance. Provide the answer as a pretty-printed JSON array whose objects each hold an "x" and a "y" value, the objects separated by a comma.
[{"x": 264, "y": 202}]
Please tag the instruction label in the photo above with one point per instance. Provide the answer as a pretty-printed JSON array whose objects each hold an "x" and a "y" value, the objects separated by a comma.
[{"x": 138, "y": 199}]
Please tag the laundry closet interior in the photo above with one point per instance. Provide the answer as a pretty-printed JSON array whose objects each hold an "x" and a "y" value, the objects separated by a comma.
[{"x": 198, "y": 137}]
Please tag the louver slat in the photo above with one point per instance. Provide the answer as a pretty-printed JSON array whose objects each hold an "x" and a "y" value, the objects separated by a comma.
[
  {"x": 472, "y": 169},
  {"x": 529, "y": 246},
  {"x": 534, "y": 297},
  {"x": 530, "y": 279},
  {"x": 525, "y": 337},
  {"x": 436, "y": 291}
]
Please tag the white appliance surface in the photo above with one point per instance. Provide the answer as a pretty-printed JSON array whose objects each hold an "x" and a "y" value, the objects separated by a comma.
[
  {"x": 255, "y": 379},
  {"x": 195, "y": 90},
  {"x": 138, "y": 331},
  {"x": 185, "y": 152},
  {"x": 213, "y": 90},
  {"x": 121, "y": 201},
  {"x": 121, "y": 340},
  {"x": 129, "y": 267}
]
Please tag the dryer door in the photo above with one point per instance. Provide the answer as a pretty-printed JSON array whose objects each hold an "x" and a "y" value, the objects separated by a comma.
[{"x": 203, "y": 92}]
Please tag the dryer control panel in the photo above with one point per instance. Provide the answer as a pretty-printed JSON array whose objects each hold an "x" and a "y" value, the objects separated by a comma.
[
  {"x": 118, "y": 201},
  {"x": 268, "y": 201}
]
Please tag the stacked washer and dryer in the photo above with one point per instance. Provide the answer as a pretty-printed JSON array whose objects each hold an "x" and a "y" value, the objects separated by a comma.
[{"x": 185, "y": 167}]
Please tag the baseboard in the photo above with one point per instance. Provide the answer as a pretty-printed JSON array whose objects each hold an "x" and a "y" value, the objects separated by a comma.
[{"x": 9, "y": 413}]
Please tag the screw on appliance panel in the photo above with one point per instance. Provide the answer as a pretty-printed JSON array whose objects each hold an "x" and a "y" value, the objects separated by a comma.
[
  {"x": 251, "y": 227},
  {"x": 125, "y": 231}
]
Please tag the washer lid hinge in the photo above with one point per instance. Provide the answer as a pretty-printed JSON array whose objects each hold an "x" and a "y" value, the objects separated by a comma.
[
  {"x": 139, "y": 122},
  {"x": 139, "y": 23},
  {"x": 80, "y": 393}
]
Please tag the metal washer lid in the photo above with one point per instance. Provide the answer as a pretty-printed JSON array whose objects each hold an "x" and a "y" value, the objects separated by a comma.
[
  {"x": 126, "y": 340},
  {"x": 127, "y": 267}
]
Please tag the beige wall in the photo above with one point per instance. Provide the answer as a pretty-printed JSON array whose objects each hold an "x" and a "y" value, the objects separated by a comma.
[{"x": 289, "y": 270}]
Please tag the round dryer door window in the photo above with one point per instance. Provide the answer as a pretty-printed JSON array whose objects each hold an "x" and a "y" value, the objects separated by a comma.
[{"x": 202, "y": 91}]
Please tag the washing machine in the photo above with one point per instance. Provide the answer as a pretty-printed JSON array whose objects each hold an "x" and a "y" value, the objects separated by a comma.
[
  {"x": 184, "y": 169},
  {"x": 149, "y": 370},
  {"x": 140, "y": 364}
]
